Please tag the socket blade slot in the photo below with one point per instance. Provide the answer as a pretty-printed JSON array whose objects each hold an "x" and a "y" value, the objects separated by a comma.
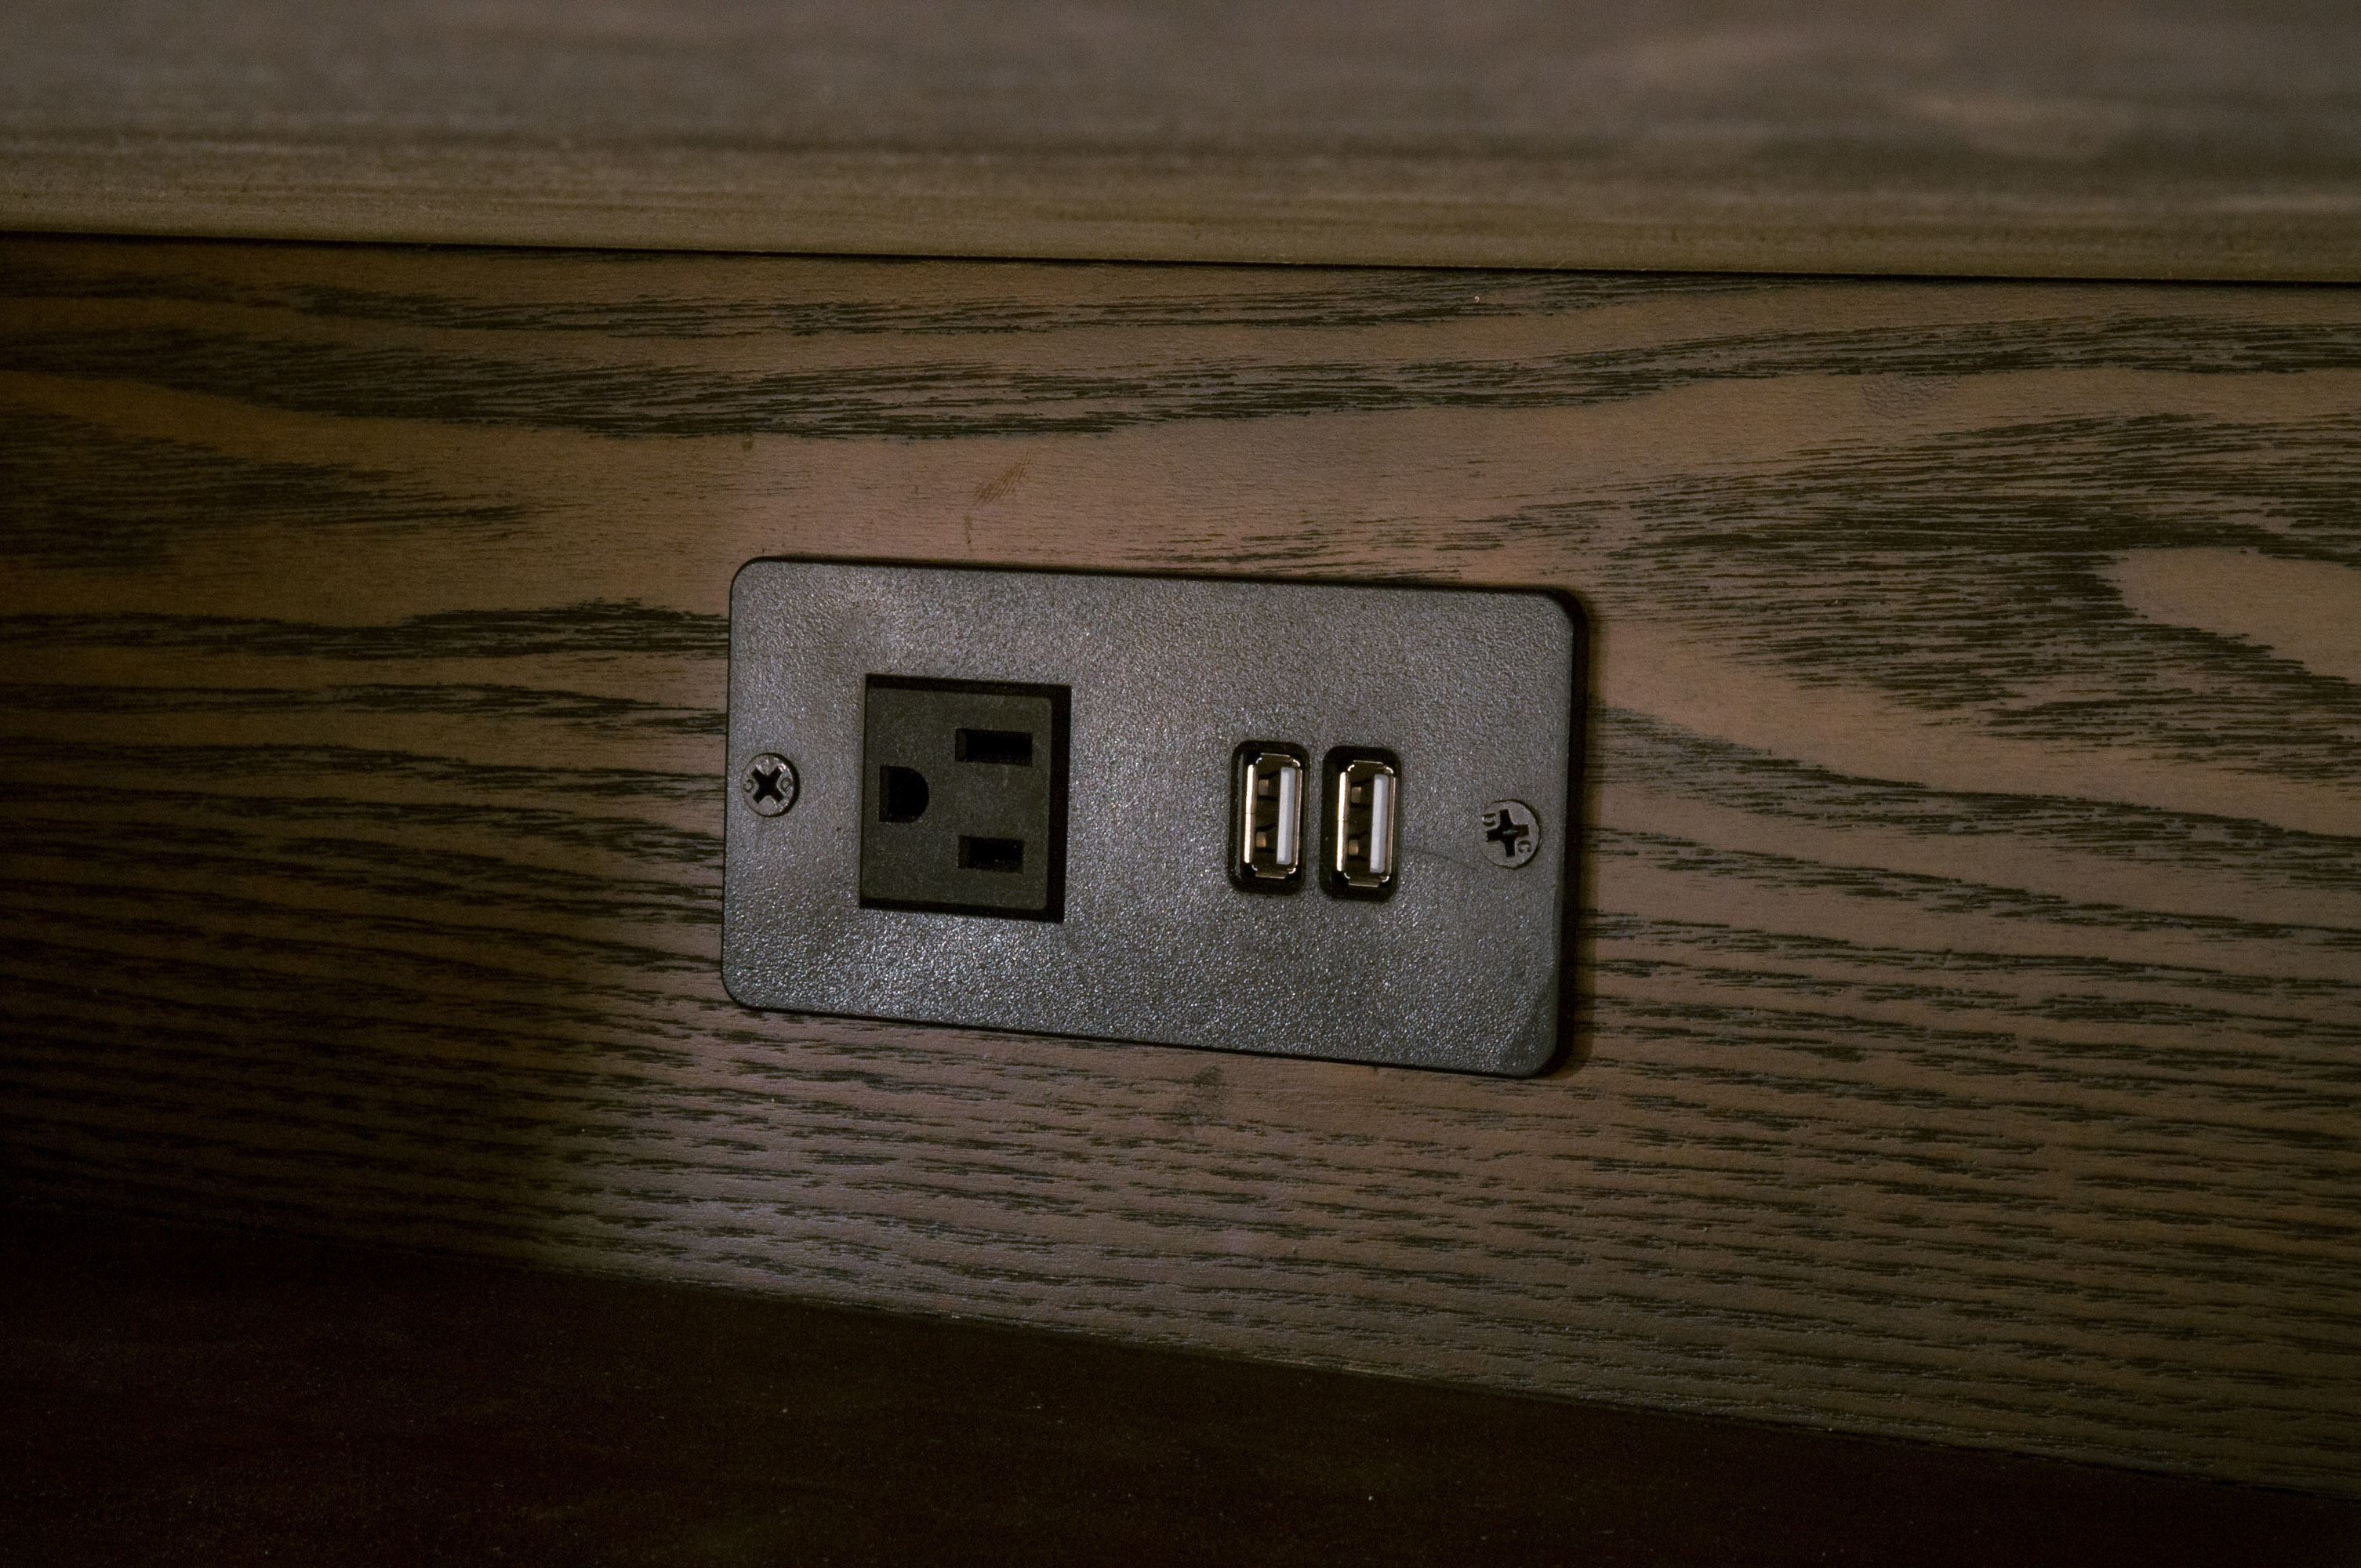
[
  {"x": 1004, "y": 748},
  {"x": 991, "y": 854}
]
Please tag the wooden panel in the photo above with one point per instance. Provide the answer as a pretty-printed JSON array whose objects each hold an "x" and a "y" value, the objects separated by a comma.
[
  {"x": 249, "y": 1399},
  {"x": 1975, "y": 864},
  {"x": 2157, "y": 139}
]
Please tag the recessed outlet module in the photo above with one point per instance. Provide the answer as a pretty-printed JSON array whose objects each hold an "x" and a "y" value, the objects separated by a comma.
[{"x": 1306, "y": 819}]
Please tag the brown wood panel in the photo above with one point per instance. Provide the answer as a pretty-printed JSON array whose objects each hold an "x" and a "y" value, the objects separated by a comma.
[
  {"x": 2151, "y": 138},
  {"x": 182, "y": 1396},
  {"x": 1973, "y": 953}
]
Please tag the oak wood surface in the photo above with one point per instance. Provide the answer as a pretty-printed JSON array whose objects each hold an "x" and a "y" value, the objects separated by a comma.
[
  {"x": 2153, "y": 138},
  {"x": 1973, "y": 950}
]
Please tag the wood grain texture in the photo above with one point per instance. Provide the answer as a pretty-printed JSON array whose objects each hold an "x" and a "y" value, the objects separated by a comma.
[
  {"x": 1973, "y": 954},
  {"x": 2153, "y": 138}
]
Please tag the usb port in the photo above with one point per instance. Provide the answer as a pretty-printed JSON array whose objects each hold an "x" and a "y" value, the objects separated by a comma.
[
  {"x": 1364, "y": 791},
  {"x": 1266, "y": 821}
]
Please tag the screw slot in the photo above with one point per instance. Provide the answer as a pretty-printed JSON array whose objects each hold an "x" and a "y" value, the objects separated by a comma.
[
  {"x": 770, "y": 785},
  {"x": 1512, "y": 833}
]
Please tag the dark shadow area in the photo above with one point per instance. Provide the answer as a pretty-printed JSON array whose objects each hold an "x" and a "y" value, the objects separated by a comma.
[{"x": 179, "y": 1395}]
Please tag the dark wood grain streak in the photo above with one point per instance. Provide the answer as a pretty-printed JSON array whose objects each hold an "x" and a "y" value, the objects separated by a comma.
[
  {"x": 975, "y": 395},
  {"x": 1972, "y": 968}
]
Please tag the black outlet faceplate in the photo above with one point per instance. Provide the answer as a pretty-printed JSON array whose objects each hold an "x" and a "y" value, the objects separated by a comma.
[{"x": 1056, "y": 856}]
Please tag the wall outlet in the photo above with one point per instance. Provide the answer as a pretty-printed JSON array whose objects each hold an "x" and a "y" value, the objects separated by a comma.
[
  {"x": 963, "y": 810},
  {"x": 1309, "y": 819}
]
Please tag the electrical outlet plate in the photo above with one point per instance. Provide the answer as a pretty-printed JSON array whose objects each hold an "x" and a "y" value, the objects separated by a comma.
[{"x": 1073, "y": 865}]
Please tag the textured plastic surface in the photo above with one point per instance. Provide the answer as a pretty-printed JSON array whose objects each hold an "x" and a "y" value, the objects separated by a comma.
[{"x": 1474, "y": 691}]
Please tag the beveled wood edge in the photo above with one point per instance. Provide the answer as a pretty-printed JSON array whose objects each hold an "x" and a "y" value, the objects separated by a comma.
[{"x": 1324, "y": 212}]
